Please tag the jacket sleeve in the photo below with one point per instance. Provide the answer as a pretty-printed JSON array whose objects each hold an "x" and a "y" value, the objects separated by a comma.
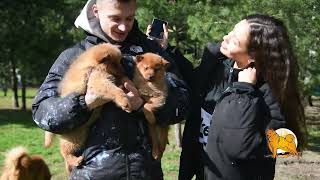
[
  {"x": 53, "y": 113},
  {"x": 243, "y": 113},
  {"x": 210, "y": 58},
  {"x": 184, "y": 65}
]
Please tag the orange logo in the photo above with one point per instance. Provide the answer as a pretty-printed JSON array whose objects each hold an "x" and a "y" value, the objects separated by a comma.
[{"x": 282, "y": 142}]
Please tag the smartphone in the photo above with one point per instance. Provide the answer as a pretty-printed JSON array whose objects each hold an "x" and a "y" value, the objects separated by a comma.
[{"x": 157, "y": 28}]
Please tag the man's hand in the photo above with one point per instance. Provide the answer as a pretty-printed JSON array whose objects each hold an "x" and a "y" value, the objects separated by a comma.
[
  {"x": 248, "y": 75},
  {"x": 165, "y": 36},
  {"x": 94, "y": 98},
  {"x": 133, "y": 95}
]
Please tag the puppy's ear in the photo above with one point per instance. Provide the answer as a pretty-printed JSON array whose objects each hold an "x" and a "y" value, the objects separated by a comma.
[
  {"x": 105, "y": 58},
  {"x": 165, "y": 63},
  {"x": 139, "y": 58}
]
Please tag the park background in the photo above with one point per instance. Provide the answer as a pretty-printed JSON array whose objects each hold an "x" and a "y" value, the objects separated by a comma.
[{"x": 34, "y": 32}]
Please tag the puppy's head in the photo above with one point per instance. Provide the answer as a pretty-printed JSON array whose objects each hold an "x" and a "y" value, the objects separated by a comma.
[
  {"x": 109, "y": 55},
  {"x": 151, "y": 66},
  {"x": 17, "y": 164}
]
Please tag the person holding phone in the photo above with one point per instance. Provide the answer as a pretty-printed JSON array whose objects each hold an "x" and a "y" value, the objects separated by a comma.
[
  {"x": 158, "y": 31},
  {"x": 157, "y": 28},
  {"x": 118, "y": 145},
  {"x": 243, "y": 87}
]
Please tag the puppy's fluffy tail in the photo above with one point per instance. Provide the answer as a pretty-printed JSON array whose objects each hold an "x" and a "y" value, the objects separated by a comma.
[
  {"x": 15, "y": 158},
  {"x": 48, "y": 139}
]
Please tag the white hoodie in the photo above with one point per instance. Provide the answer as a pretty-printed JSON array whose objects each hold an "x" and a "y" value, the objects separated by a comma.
[{"x": 89, "y": 22}]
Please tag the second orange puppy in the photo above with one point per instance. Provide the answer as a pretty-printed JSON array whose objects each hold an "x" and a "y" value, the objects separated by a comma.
[{"x": 149, "y": 78}]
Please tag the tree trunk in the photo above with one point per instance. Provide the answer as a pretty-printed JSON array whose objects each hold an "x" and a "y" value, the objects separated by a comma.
[
  {"x": 306, "y": 100},
  {"x": 5, "y": 90},
  {"x": 14, "y": 82},
  {"x": 177, "y": 130},
  {"x": 177, "y": 127},
  {"x": 23, "y": 93},
  {"x": 309, "y": 99}
]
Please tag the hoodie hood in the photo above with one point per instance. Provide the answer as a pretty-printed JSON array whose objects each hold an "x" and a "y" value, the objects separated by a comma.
[{"x": 89, "y": 22}]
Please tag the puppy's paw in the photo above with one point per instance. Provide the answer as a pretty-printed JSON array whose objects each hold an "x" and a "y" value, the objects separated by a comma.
[
  {"x": 156, "y": 153},
  {"x": 90, "y": 98},
  {"x": 78, "y": 161},
  {"x": 124, "y": 104},
  {"x": 93, "y": 100}
]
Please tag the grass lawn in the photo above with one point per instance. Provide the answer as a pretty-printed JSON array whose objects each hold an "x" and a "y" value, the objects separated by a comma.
[{"x": 18, "y": 129}]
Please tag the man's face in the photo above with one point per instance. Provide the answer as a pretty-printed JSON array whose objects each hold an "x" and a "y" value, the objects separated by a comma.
[{"x": 116, "y": 19}]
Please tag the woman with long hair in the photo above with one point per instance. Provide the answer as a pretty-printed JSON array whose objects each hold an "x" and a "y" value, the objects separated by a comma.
[{"x": 242, "y": 88}]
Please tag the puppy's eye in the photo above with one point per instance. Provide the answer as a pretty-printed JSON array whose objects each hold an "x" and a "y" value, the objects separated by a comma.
[{"x": 145, "y": 68}]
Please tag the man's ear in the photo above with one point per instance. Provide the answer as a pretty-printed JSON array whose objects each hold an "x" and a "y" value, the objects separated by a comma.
[
  {"x": 165, "y": 63},
  {"x": 95, "y": 10},
  {"x": 139, "y": 58}
]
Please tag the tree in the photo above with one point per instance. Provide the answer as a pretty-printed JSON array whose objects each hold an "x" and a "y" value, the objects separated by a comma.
[{"x": 34, "y": 32}]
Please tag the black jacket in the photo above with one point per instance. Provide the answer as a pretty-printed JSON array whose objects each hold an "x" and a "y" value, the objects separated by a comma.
[
  {"x": 118, "y": 146},
  {"x": 240, "y": 112}
]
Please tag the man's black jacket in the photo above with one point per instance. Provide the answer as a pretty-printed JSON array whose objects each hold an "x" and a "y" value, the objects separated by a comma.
[
  {"x": 241, "y": 114},
  {"x": 118, "y": 146}
]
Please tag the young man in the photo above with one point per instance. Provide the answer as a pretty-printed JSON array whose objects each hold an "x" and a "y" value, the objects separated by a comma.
[{"x": 118, "y": 146}]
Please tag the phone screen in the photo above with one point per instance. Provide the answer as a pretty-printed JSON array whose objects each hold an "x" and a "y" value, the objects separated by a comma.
[{"x": 157, "y": 28}]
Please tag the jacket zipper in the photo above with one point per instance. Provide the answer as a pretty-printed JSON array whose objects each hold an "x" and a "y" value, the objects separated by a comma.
[{"x": 230, "y": 75}]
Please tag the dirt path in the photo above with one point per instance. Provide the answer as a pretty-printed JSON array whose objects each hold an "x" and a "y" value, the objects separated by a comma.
[{"x": 306, "y": 167}]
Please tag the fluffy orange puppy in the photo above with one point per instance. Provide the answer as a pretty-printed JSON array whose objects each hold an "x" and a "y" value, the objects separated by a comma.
[
  {"x": 19, "y": 165},
  {"x": 102, "y": 65},
  {"x": 149, "y": 78}
]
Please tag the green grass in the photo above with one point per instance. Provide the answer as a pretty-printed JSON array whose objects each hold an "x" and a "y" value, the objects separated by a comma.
[
  {"x": 18, "y": 129},
  {"x": 6, "y": 101},
  {"x": 314, "y": 139}
]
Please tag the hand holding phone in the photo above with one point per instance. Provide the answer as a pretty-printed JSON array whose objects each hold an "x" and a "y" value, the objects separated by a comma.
[{"x": 157, "y": 28}]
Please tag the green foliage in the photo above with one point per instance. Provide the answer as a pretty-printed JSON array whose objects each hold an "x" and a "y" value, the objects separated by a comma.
[
  {"x": 194, "y": 23},
  {"x": 34, "y": 32}
]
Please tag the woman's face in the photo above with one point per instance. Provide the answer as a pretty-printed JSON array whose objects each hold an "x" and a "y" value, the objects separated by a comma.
[{"x": 235, "y": 43}]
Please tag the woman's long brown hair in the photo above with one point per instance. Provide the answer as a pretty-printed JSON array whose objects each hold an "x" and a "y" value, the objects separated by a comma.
[{"x": 276, "y": 63}]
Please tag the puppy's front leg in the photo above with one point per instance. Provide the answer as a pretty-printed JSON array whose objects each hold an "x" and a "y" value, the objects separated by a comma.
[
  {"x": 156, "y": 152},
  {"x": 163, "y": 137},
  {"x": 153, "y": 132},
  {"x": 67, "y": 149},
  {"x": 147, "y": 110},
  {"x": 121, "y": 99}
]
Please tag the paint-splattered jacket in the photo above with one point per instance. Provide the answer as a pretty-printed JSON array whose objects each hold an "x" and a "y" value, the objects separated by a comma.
[{"x": 118, "y": 146}]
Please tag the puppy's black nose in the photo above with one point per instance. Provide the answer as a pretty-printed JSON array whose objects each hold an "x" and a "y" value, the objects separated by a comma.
[{"x": 151, "y": 78}]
